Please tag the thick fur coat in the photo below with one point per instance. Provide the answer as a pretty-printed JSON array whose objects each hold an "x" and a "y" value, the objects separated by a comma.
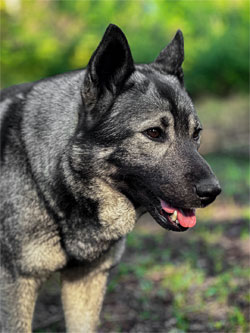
[{"x": 81, "y": 154}]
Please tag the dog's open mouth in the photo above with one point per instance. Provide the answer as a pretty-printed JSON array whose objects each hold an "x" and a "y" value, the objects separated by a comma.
[
  {"x": 176, "y": 219},
  {"x": 184, "y": 217}
]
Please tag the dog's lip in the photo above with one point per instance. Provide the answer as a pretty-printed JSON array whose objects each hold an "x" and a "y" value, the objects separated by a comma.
[
  {"x": 164, "y": 221},
  {"x": 162, "y": 218},
  {"x": 173, "y": 223},
  {"x": 177, "y": 206},
  {"x": 185, "y": 217},
  {"x": 162, "y": 210}
]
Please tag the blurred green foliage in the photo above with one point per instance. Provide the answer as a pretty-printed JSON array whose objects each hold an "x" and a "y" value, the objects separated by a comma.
[
  {"x": 203, "y": 276},
  {"x": 237, "y": 183},
  {"x": 42, "y": 38}
]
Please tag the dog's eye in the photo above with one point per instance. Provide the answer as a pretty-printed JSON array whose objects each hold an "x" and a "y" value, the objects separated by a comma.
[
  {"x": 197, "y": 134},
  {"x": 154, "y": 133}
]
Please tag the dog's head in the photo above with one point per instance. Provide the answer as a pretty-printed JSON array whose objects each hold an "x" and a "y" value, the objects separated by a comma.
[{"x": 143, "y": 123}]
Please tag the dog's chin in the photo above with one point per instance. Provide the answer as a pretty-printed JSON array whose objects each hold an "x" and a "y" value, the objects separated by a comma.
[
  {"x": 172, "y": 216},
  {"x": 175, "y": 215},
  {"x": 164, "y": 220}
]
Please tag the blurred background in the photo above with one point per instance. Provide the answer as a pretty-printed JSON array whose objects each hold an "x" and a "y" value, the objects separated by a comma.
[{"x": 197, "y": 281}]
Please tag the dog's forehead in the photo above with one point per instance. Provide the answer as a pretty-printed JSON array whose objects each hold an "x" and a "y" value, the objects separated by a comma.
[
  {"x": 152, "y": 94},
  {"x": 168, "y": 91}
]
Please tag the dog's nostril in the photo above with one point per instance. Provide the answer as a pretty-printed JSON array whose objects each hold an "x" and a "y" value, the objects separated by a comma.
[{"x": 208, "y": 190}]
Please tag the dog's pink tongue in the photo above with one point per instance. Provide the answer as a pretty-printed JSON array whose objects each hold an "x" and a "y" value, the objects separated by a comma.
[{"x": 186, "y": 217}]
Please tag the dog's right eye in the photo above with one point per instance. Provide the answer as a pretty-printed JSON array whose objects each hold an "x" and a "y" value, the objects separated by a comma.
[{"x": 154, "y": 133}]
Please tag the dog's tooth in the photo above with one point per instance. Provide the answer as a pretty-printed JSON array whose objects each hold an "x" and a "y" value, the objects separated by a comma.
[
  {"x": 177, "y": 222},
  {"x": 174, "y": 216}
]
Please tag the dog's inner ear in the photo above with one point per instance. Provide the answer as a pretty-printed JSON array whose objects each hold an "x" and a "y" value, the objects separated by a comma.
[
  {"x": 109, "y": 67},
  {"x": 171, "y": 57}
]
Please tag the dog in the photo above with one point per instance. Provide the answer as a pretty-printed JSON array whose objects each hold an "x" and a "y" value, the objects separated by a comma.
[{"x": 82, "y": 155}]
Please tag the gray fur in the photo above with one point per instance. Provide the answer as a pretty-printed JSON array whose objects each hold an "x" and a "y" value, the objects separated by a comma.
[{"x": 76, "y": 167}]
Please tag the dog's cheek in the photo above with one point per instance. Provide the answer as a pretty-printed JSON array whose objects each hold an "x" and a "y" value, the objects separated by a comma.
[{"x": 116, "y": 213}]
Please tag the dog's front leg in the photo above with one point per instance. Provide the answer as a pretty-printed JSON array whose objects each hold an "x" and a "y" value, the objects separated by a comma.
[
  {"x": 17, "y": 303},
  {"x": 83, "y": 289},
  {"x": 82, "y": 296}
]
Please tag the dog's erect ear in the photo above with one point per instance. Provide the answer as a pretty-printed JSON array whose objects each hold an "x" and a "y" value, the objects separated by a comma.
[
  {"x": 171, "y": 57},
  {"x": 110, "y": 65}
]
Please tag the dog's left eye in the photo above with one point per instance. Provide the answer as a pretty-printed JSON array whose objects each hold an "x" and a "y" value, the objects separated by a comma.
[
  {"x": 154, "y": 133},
  {"x": 197, "y": 134}
]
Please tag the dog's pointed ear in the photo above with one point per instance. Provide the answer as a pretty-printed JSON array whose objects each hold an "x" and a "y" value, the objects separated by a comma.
[
  {"x": 172, "y": 56},
  {"x": 109, "y": 67}
]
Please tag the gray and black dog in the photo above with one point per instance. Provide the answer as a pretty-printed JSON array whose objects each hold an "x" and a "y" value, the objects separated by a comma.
[{"x": 81, "y": 153}]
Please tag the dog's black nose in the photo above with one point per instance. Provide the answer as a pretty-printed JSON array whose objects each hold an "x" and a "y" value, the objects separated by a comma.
[{"x": 208, "y": 189}]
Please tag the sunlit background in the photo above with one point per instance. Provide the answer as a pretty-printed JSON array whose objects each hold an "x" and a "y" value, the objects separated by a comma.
[{"x": 197, "y": 281}]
